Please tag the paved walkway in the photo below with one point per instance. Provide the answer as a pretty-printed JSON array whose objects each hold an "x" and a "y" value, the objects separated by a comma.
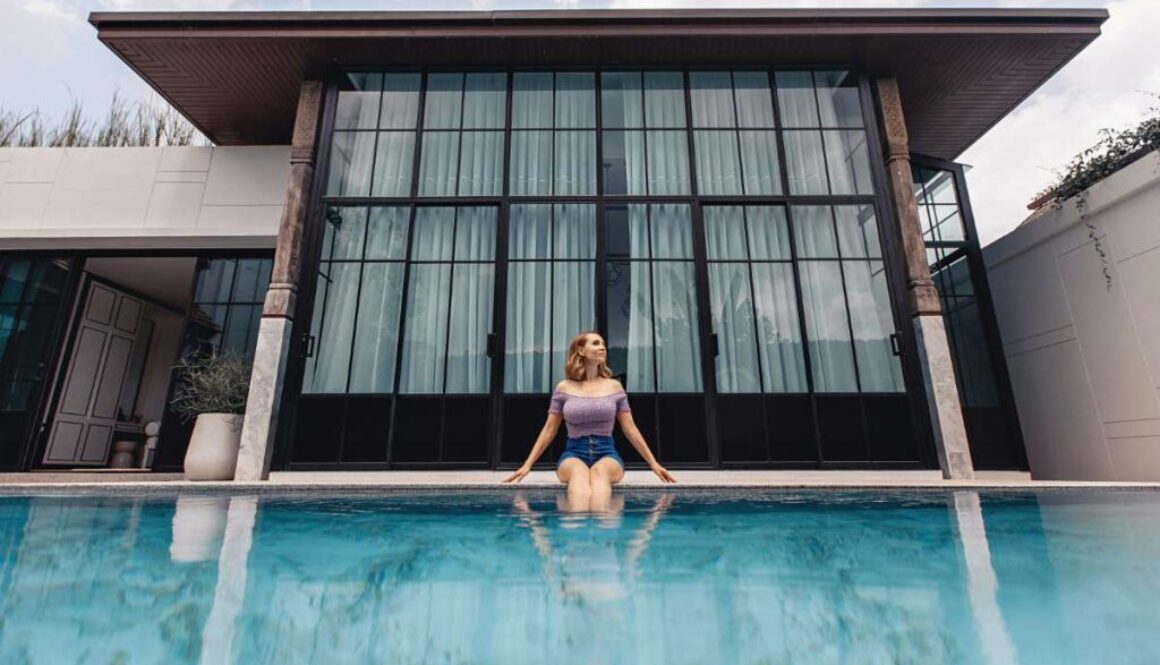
[{"x": 363, "y": 480}]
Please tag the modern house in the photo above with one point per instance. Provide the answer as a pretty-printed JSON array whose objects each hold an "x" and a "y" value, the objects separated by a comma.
[
  {"x": 1079, "y": 309},
  {"x": 406, "y": 216}
]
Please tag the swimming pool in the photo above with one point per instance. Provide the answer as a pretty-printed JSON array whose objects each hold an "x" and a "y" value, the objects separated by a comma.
[{"x": 1060, "y": 576}]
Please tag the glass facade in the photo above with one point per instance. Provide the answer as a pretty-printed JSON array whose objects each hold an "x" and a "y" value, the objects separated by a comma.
[{"x": 718, "y": 227}]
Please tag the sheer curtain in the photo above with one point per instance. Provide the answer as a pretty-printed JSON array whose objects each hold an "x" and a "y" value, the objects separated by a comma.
[
  {"x": 873, "y": 323},
  {"x": 335, "y": 300}
]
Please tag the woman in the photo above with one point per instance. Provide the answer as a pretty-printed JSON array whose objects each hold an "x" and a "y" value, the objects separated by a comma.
[{"x": 589, "y": 400}]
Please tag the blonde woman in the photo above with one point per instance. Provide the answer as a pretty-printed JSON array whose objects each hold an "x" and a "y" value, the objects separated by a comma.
[{"x": 589, "y": 400}]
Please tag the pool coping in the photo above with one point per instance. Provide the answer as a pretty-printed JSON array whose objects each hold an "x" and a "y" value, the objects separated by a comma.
[{"x": 460, "y": 481}]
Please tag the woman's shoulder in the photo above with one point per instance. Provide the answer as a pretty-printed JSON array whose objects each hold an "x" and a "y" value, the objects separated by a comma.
[{"x": 616, "y": 385}]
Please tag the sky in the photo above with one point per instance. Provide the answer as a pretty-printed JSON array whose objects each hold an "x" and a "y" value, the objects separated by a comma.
[{"x": 50, "y": 54}]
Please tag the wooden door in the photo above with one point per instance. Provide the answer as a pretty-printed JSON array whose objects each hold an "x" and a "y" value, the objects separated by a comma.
[{"x": 86, "y": 413}]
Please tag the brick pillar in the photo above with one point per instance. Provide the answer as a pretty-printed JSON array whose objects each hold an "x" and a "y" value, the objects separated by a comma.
[
  {"x": 274, "y": 332},
  {"x": 942, "y": 393}
]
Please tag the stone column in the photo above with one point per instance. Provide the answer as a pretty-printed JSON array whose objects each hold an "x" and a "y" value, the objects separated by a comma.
[
  {"x": 274, "y": 332},
  {"x": 942, "y": 394}
]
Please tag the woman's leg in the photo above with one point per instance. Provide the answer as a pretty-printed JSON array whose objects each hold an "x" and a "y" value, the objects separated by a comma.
[
  {"x": 574, "y": 473},
  {"x": 604, "y": 474}
]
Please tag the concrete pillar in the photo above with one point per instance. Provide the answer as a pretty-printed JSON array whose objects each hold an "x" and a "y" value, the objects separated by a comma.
[
  {"x": 274, "y": 332},
  {"x": 942, "y": 393}
]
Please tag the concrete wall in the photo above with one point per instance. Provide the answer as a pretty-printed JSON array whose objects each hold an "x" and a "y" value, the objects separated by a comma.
[
  {"x": 1085, "y": 358},
  {"x": 141, "y": 198}
]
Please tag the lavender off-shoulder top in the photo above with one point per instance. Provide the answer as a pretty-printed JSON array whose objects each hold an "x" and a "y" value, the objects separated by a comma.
[{"x": 586, "y": 415}]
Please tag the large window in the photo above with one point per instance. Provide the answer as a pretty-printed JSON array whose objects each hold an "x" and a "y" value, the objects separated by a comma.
[{"x": 718, "y": 226}]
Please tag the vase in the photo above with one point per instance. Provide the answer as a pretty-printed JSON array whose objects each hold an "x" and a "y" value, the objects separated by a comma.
[{"x": 213, "y": 447}]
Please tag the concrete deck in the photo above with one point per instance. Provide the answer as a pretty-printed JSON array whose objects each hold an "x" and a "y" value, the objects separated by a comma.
[{"x": 398, "y": 480}]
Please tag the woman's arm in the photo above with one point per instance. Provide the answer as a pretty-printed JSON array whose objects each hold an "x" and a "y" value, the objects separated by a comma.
[
  {"x": 628, "y": 426},
  {"x": 547, "y": 434}
]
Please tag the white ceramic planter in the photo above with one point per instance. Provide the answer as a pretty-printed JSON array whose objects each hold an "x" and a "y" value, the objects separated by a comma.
[{"x": 213, "y": 448}]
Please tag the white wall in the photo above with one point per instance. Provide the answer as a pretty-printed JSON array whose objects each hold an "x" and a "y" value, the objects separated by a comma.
[
  {"x": 1085, "y": 359},
  {"x": 141, "y": 198}
]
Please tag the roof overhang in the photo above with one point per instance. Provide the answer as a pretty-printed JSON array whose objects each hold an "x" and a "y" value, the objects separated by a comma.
[{"x": 236, "y": 75}]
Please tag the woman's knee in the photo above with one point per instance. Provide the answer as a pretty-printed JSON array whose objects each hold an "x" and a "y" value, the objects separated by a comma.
[
  {"x": 607, "y": 470},
  {"x": 572, "y": 471}
]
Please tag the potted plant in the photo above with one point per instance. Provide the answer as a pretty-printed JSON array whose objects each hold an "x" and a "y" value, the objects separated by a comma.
[{"x": 212, "y": 389}]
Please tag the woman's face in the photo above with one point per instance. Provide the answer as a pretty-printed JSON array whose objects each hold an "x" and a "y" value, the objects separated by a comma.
[{"x": 593, "y": 348}]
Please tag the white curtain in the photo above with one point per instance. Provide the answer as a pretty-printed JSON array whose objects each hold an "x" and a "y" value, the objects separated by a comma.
[
  {"x": 873, "y": 323},
  {"x": 732, "y": 308},
  {"x": 831, "y": 355},
  {"x": 779, "y": 335},
  {"x": 848, "y": 159},
  {"x": 439, "y": 164}
]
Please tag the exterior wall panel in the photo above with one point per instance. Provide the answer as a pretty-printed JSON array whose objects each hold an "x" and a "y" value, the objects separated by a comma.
[{"x": 141, "y": 198}]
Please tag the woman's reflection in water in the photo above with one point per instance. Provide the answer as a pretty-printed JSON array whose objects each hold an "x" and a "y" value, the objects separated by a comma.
[{"x": 587, "y": 554}]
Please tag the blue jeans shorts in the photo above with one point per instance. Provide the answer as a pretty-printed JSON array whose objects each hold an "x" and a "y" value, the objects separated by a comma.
[{"x": 590, "y": 449}]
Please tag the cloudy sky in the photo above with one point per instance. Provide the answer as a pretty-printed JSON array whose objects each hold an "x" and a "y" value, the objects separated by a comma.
[{"x": 51, "y": 54}]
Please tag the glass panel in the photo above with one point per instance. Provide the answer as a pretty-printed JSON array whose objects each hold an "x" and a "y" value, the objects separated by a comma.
[
  {"x": 718, "y": 166},
  {"x": 732, "y": 310},
  {"x": 796, "y": 98},
  {"x": 440, "y": 164},
  {"x": 848, "y": 160},
  {"x": 575, "y": 163},
  {"x": 530, "y": 231},
  {"x": 575, "y": 232},
  {"x": 434, "y": 228},
  {"x": 575, "y": 99},
  {"x": 630, "y": 340},
  {"x": 668, "y": 163},
  {"x": 711, "y": 95},
  {"x": 345, "y": 234},
  {"x": 953, "y": 278},
  {"x": 241, "y": 329},
  {"x": 940, "y": 188},
  {"x": 394, "y": 156},
  {"x": 621, "y": 100},
  {"x": 335, "y": 301},
  {"x": 485, "y": 100},
  {"x": 214, "y": 284},
  {"x": 627, "y": 229},
  {"x": 872, "y": 322},
  {"x": 444, "y": 104},
  {"x": 358, "y": 101},
  {"x": 973, "y": 369},
  {"x": 664, "y": 99},
  {"x": 377, "y": 333},
  {"x": 400, "y": 101},
  {"x": 425, "y": 329},
  {"x": 838, "y": 99},
  {"x": 475, "y": 234},
  {"x": 678, "y": 347},
  {"x": 768, "y": 233},
  {"x": 246, "y": 286},
  {"x": 481, "y": 164},
  {"x": 387, "y": 233},
  {"x": 532, "y": 99},
  {"x": 754, "y": 102},
  {"x": 351, "y": 156},
  {"x": 623, "y": 163},
  {"x": 857, "y": 232},
  {"x": 531, "y": 164},
  {"x": 760, "y": 162},
  {"x": 783, "y": 365},
  {"x": 805, "y": 162},
  {"x": 813, "y": 228},
  {"x": 527, "y": 358},
  {"x": 831, "y": 355},
  {"x": 573, "y": 306},
  {"x": 725, "y": 233},
  {"x": 671, "y": 231},
  {"x": 468, "y": 369}
]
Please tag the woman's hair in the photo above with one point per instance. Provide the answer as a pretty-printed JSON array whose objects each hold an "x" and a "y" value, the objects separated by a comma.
[{"x": 574, "y": 365}]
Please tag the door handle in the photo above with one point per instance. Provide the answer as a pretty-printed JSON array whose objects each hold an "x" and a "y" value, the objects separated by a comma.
[
  {"x": 492, "y": 344},
  {"x": 307, "y": 345},
  {"x": 895, "y": 344}
]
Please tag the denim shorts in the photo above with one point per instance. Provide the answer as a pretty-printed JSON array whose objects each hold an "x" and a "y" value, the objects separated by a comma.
[{"x": 590, "y": 449}]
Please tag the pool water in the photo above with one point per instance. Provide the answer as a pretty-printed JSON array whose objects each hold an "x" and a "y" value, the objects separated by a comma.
[{"x": 926, "y": 577}]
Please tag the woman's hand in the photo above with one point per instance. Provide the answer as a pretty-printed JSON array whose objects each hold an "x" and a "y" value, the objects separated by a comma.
[
  {"x": 519, "y": 474},
  {"x": 663, "y": 474}
]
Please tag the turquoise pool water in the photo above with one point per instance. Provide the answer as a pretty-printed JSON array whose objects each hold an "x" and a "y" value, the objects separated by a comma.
[{"x": 757, "y": 577}]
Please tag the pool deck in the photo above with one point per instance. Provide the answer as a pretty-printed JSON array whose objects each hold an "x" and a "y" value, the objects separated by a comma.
[{"x": 107, "y": 481}]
